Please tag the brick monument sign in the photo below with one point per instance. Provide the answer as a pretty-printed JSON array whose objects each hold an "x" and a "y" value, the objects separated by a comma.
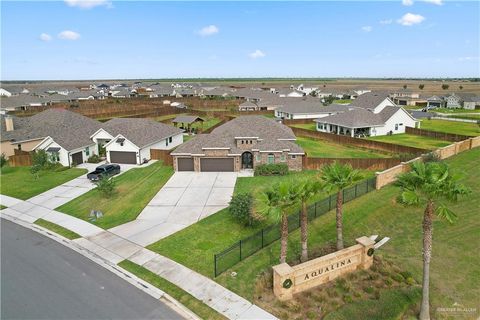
[{"x": 288, "y": 280}]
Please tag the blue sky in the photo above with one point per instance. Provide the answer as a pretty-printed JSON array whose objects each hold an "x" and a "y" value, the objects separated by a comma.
[{"x": 98, "y": 39}]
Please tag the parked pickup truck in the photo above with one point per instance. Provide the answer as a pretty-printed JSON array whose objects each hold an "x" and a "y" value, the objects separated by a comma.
[{"x": 104, "y": 170}]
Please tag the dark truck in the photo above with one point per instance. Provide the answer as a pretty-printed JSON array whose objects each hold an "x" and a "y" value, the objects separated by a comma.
[{"x": 107, "y": 170}]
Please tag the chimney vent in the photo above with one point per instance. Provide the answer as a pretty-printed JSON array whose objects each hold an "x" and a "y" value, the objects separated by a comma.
[{"x": 9, "y": 123}]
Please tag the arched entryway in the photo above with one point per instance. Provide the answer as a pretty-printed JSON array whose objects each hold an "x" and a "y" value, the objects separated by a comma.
[{"x": 247, "y": 160}]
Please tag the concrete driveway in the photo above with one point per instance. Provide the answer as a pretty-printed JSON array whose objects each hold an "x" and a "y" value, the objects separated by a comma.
[{"x": 185, "y": 199}]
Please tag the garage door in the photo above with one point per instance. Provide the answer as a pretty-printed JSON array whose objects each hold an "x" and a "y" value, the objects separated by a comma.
[
  {"x": 216, "y": 164},
  {"x": 184, "y": 164},
  {"x": 77, "y": 158},
  {"x": 123, "y": 157}
]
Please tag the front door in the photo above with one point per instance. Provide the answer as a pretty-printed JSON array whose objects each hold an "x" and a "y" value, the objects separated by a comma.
[{"x": 247, "y": 160}]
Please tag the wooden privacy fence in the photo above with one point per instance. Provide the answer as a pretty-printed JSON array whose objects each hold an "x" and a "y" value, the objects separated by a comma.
[
  {"x": 20, "y": 160},
  {"x": 357, "y": 142},
  {"x": 164, "y": 155},
  {"x": 356, "y": 163},
  {"x": 437, "y": 135}
]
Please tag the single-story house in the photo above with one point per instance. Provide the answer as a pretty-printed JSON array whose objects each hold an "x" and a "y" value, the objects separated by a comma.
[
  {"x": 248, "y": 106},
  {"x": 471, "y": 103},
  {"x": 371, "y": 114},
  {"x": 435, "y": 102},
  {"x": 305, "y": 109},
  {"x": 129, "y": 140},
  {"x": 66, "y": 135},
  {"x": 242, "y": 143}
]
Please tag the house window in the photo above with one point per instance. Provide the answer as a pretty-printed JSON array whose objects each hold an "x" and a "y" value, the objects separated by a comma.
[
  {"x": 166, "y": 142},
  {"x": 293, "y": 156},
  {"x": 259, "y": 158},
  {"x": 87, "y": 151},
  {"x": 55, "y": 157},
  {"x": 282, "y": 158},
  {"x": 396, "y": 126},
  {"x": 271, "y": 158},
  {"x": 170, "y": 139},
  {"x": 19, "y": 147},
  {"x": 243, "y": 142}
]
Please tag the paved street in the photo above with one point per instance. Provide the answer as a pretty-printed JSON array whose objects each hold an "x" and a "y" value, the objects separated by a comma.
[{"x": 42, "y": 279}]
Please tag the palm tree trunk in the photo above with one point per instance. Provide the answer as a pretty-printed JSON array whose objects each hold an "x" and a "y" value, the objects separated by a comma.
[
  {"x": 427, "y": 253},
  {"x": 339, "y": 220},
  {"x": 304, "y": 231},
  {"x": 284, "y": 239}
]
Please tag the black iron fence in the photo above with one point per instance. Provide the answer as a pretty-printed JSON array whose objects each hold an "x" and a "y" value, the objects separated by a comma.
[{"x": 248, "y": 246}]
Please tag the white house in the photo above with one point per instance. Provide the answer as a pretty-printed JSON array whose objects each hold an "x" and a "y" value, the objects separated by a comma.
[
  {"x": 372, "y": 115},
  {"x": 65, "y": 156},
  {"x": 5, "y": 93},
  {"x": 129, "y": 140}
]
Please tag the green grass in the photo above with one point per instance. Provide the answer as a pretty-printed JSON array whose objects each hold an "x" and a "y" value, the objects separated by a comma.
[
  {"x": 57, "y": 229},
  {"x": 135, "y": 189},
  {"x": 454, "y": 271},
  {"x": 309, "y": 126},
  {"x": 465, "y": 116},
  {"x": 326, "y": 149},
  {"x": 19, "y": 183},
  {"x": 2, "y": 207},
  {"x": 391, "y": 305},
  {"x": 447, "y": 110},
  {"x": 207, "y": 124},
  {"x": 412, "y": 140},
  {"x": 168, "y": 116},
  {"x": 195, "y": 305},
  {"x": 463, "y": 128},
  {"x": 342, "y": 101}
]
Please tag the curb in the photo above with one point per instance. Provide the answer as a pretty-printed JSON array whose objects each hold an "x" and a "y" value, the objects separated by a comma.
[{"x": 144, "y": 286}]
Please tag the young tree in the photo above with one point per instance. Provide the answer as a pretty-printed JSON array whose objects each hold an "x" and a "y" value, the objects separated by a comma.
[
  {"x": 307, "y": 189},
  {"x": 3, "y": 160},
  {"x": 460, "y": 87},
  {"x": 106, "y": 186},
  {"x": 421, "y": 86},
  {"x": 404, "y": 86},
  {"x": 337, "y": 177},
  {"x": 275, "y": 202},
  {"x": 429, "y": 184},
  {"x": 445, "y": 86}
]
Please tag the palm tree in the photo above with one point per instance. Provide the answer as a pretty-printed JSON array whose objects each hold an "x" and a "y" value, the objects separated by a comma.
[
  {"x": 275, "y": 202},
  {"x": 337, "y": 177},
  {"x": 429, "y": 184},
  {"x": 307, "y": 189}
]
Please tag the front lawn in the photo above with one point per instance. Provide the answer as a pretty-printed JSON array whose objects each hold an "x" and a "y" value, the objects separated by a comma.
[
  {"x": 454, "y": 275},
  {"x": 135, "y": 188},
  {"x": 412, "y": 140},
  {"x": 19, "y": 183},
  {"x": 455, "y": 127},
  {"x": 57, "y": 229},
  {"x": 326, "y": 149}
]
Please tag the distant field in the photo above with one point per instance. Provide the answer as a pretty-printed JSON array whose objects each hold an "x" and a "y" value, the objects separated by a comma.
[
  {"x": 463, "y": 128},
  {"x": 327, "y": 149}
]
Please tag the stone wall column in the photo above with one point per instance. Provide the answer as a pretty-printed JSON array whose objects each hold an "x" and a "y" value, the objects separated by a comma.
[
  {"x": 282, "y": 287},
  {"x": 367, "y": 252}
]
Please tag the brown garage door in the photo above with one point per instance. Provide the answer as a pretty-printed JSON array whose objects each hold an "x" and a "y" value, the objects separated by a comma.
[
  {"x": 216, "y": 164},
  {"x": 123, "y": 157},
  {"x": 184, "y": 164},
  {"x": 77, "y": 158}
]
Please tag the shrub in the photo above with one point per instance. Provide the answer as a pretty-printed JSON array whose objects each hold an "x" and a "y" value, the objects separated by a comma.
[
  {"x": 431, "y": 157},
  {"x": 106, "y": 186},
  {"x": 241, "y": 208},
  {"x": 94, "y": 158},
  {"x": 40, "y": 159},
  {"x": 275, "y": 169},
  {"x": 3, "y": 160},
  {"x": 410, "y": 281},
  {"x": 35, "y": 171},
  {"x": 397, "y": 277}
]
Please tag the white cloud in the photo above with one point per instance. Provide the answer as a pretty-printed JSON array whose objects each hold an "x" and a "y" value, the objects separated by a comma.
[
  {"x": 45, "y": 37},
  {"x": 88, "y": 4},
  {"x": 436, "y": 2},
  {"x": 367, "y": 28},
  {"x": 257, "y": 54},
  {"x": 69, "y": 35},
  {"x": 386, "y": 21},
  {"x": 208, "y": 30},
  {"x": 407, "y": 2},
  {"x": 410, "y": 19}
]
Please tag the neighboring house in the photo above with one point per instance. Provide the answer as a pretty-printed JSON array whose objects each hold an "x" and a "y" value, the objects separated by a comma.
[
  {"x": 435, "y": 102},
  {"x": 5, "y": 93},
  {"x": 66, "y": 135},
  {"x": 242, "y": 143},
  {"x": 15, "y": 135},
  {"x": 129, "y": 140},
  {"x": 307, "y": 110},
  {"x": 248, "y": 106},
  {"x": 371, "y": 114},
  {"x": 454, "y": 101},
  {"x": 471, "y": 103}
]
